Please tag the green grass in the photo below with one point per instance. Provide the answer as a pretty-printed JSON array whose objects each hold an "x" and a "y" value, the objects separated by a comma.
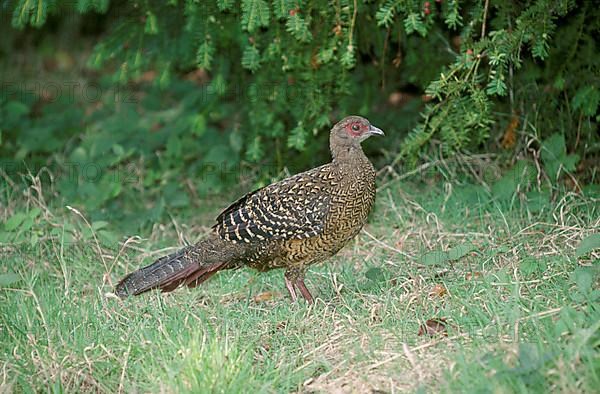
[{"x": 521, "y": 310}]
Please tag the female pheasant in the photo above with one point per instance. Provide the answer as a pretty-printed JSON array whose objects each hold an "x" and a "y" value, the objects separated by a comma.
[{"x": 291, "y": 224}]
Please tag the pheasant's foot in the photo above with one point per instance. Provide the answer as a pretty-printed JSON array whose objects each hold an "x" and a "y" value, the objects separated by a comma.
[
  {"x": 294, "y": 279},
  {"x": 290, "y": 287},
  {"x": 305, "y": 293}
]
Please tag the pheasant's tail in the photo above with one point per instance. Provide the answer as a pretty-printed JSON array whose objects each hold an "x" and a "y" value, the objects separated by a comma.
[{"x": 169, "y": 272}]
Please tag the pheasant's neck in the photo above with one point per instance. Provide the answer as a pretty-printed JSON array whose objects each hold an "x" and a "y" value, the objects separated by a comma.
[
  {"x": 351, "y": 154},
  {"x": 353, "y": 162}
]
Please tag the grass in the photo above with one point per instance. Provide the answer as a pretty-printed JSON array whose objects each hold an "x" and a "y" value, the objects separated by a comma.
[{"x": 517, "y": 311}]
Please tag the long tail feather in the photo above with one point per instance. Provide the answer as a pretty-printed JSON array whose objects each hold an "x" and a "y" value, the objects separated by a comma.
[{"x": 190, "y": 266}]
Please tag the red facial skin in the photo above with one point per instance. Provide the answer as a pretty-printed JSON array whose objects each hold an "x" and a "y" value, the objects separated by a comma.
[{"x": 356, "y": 133}]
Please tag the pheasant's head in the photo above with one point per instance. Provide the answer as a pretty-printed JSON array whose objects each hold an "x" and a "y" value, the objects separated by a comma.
[{"x": 349, "y": 132}]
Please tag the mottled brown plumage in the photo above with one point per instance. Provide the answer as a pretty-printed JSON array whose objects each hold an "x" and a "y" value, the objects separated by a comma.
[{"x": 291, "y": 224}]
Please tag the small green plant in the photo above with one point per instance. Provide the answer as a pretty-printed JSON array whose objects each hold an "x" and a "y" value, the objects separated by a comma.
[{"x": 555, "y": 158}]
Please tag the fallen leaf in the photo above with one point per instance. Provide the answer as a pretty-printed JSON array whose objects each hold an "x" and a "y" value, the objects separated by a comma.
[
  {"x": 439, "y": 290},
  {"x": 337, "y": 30},
  {"x": 266, "y": 296},
  {"x": 509, "y": 139},
  {"x": 432, "y": 327},
  {"x": 473, "y": 275}
]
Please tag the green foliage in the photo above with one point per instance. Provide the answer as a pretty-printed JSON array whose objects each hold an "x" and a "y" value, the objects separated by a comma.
[
  {"x": 555, "y": 158},
  {"x": 251, "y": 58},
  {"x": 519, "y": 177},
  {"x": 255, "y": 14},
  {"x": 494, "y": 63},
  {"x": 19, "y": 227},
  {"x": 30, "y": 12},
  {"x": 8, "y": 279},
  {"x": 588, "y": 244},
  {"x": 298, "y": 27},
  {"x": 587, "y": 99},
  {"x": 297, "y": 138},
  {"x": 204, "y": 56},
  {"x": 192, "y": 85},
  {"x": 439, "y": 257}
]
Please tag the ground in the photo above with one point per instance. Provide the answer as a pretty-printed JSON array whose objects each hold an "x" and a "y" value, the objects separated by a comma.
[{"x": 449, "y": 287}]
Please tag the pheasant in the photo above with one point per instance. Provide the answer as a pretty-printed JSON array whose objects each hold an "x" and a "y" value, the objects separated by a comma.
[{"x": 299, "y": 221}]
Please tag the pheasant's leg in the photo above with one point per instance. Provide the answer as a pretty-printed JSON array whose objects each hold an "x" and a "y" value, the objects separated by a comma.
[
  {"x": 290, "y": 286},
  {"x": 294, "y": 279},
  {"x": 305, "y": 293}
]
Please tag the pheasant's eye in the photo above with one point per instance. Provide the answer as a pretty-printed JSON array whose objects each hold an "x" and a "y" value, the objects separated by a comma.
[{"x": 355, "y": 127}]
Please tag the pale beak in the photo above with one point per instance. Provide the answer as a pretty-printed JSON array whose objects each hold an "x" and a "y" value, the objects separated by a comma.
[{"x": 375, "y": 131}]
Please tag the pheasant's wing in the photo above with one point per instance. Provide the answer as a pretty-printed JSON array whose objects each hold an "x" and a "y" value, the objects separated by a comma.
[{"x": 294, "y": 208}]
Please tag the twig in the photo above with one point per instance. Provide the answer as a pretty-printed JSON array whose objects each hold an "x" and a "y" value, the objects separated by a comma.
[
  {"x": 156, "y": 252},
  {"x": 93, "y": 235},
  {"x": 412, "y": 360},
  {"x": 386, "y": 245},
  {"x": 6, "y": 177},
  {"x": 485, "y": 11},
  {"x": 124, "y": 369},
  {"x": 133, "y": 239},
  {"x": 352, "y": 23}
]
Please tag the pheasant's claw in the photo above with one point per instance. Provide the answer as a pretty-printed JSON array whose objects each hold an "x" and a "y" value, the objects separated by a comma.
[
  {"x": 294, "y": 279},
  {"x": 290, "y": 287},
  {"x": 304, "y": 291}
]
